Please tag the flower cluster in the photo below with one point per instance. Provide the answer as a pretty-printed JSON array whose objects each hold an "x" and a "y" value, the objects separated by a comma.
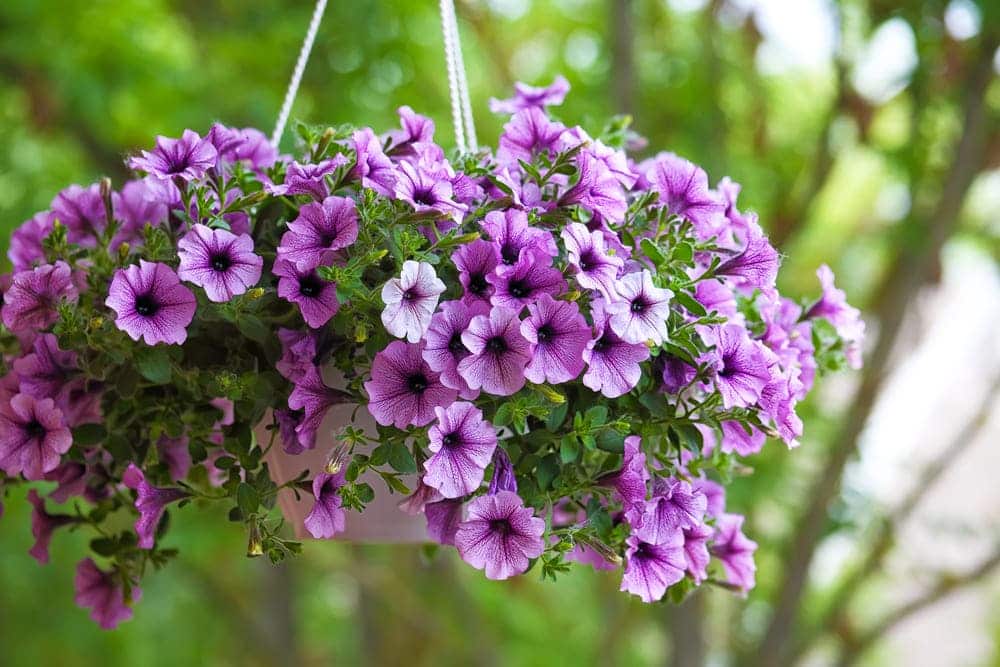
[{"x": 567, "y": 351}]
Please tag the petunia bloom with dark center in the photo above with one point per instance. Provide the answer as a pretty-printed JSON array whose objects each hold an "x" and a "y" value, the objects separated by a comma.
[
  {"x": 558, "y": 335},
  {"x": 498, "y": 353},
  {"x": 320, "y": 229},
  {"x": 410, "y": 300},
  {"x": 650, "y": 569},
  {"x": 33, "y": 436},
  {"x": 403, "y": 390},
  {"x": 444, "y": 348},
  {"x": 220, "y": 262},
  {"x": 151, "y": 303},
  {"x": 640, "y": 311},
  {"x": 186, "y": 158},
  {"x": 516, "y": 286},
  {"x": 500, "y": 536},
  {"x": 315, "y": 297},
  {"x": 587, "y": 251},
  {"x": 462, "y": 445}
]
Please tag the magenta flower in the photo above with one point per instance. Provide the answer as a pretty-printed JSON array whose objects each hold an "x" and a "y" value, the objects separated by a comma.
[
  {"x": 43, "y": 525},
  {"x": 735, "y": 550},
  {"x": 742, "y": 368},
  {"x": 514, "y": 287},
  {"x": 475, "y": 261},
  {"x": 756, "y": 266},
  {"x": 186, "y": 158},
  {"x": 308, "y": 179},
  {"x": 33, "y": 436},
  {"x": 45, "y": 372},
  {"x": 314, "y": 398},
  {"x": 82, "y": 212},
  {"x": 630, "y": 481},
  {"x": 742, "y": 439},
  {"x": 696, "y": 554},
  {"x": 139, "y": 203},
  {"x": 503, "y": 478},
  {"x": 500, "y": 536},
  {"x": 315, "y": 297},
  {"x": 674, "y": 505},
  {"x": 650, "y": 569},
  {"x": 403, "y": 390},
  {"x": 319, "y": 230},
  {"x": 498, "y": 353},
  {"x": 640, "y": 311},
  {"x": 220, "y": 262},
  {"x": 327, "y": 517},
  {"x": 526, "y": 96},
  {"x": 558, "y": 335},
  {"x": 443, "y": 520},
  {"x": 683, "y": 189},
  {"x": 427, "y": 191},
  {"x": 514, "y": 237},
  {"x": 104, "y": 594},
  {"x": 596, "y": 189},
  {"x": 529, "y": 132},
  {"x": 151, "y": 502},
  {"x": 677, "y": 374},
  {"x": 299, "y": 349},
  {"x": 444, "y": 348},
  {"x": 410, "y": 300},
  {"x": 372, "y": 167},
  {"x": 612, "y": 363},
  {"x": 151, "y": 303},
  {"x": 174, "y": 453},
  {"x": 26, "y": 249},
  {"x": 833, "y": 306},
  {"x": 247, "y": 145},
  {"x": 288, "y": 426},
  {"x": 415, "y": 129},
  {"x": 462, "y": 445},
  {"x": 29, "y": 304},
  {"x": 587, "y": 252}
]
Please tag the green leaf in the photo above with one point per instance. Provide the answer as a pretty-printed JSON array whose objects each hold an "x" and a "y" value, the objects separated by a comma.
[
  {"x": 683, "y": 252},
  {"x": 611, "y": 440},
  {"x": 547, "y": 470},
  {"x": 556, "y": 417},
  {"x": 89, "y": 434},
  {"x": 651, "y": 250},
  {"x": 569, "y": 449},
  {"x": 365, "y": 492},
  {"x": 394, "y": 483},
  {"x": 254, "y": 328},
  {"x": 597, "y": 415},
  {"x": 247, "y": 499},
  {"x": 691, "y": 304},
  {"x": 153, "y": 364},
  {"x": 401, "y": 459}
]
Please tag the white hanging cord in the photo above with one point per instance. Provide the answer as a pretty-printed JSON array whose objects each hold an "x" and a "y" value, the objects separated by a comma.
[
  {"x": 300, "y": 66},
  {"x": 463, "y": 84},
  {"x": 451, "y": 62}
]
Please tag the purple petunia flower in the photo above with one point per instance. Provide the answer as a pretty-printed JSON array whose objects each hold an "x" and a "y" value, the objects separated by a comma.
[
  {"x": 403, "y": 390},
  {"x": 410, "y": 300},
  {"x": 475, "y": 261},
  {"x": 151, "y": 303},
  {"x": 104, "y": 594},
  {"x": 139, "y": 203},
  {"x": 33, "y": 436},
  {"x": 372, "y": 167},
  {"x": 514, "y": 287},
  {"x": 288, "y": 426},
  {"x": 327, "y": 517},
  {"x": 717, "y": 297},
  {"x": 82, "y": 212},
  {"x": 756, "y": 266},
  {"x": 30, "y": 302},
  {"x": 558, "y": 335},
  {"x": 444, "y": 348},
  {"x": 151, "y": 502},
  {"x": 462, "y": 444},
  {"x": 640, "y": 311},
  {"x": 315, "y": 297},
  {"x": 683, "y": 189},
  {"x": 498, "y": 353},
  {"x": 650, "y": 569},
  {"x": 503, "y": 478},
  {"x": 612, "y": 363},
  {"x": 247, "y": 145},
  {"x": 696, "y": 554},
  {"x": 71, "y": 481},
  {"x": 175, "y": 454},
  {"x": 630, "y": 481},
  {"x": 319, "y": 230},
  {"x": 298, "y": 356},
  {"x": 45, "y": 372},
  {"x": 515, "y": 238},
  {"x": 742, "y": 368},
  {"x": 596, "y": 189},
  {"x": 314, "y": 398},
  {"x": 674, "y": 505},
  {"x": 415, "y": 129},
  {"x": 526, "y": 96},
  {"x": 220, "y": 262},
  {"x": 736, "y": 438},
  {"x": 529, "y": 132},
  {"x": 443, "y": 519},
  {"x": 500, "y": 535},
  {"x": 308, "y": 179},
  {"x": 833, "y": 307},
  {"x": 735, "y": 550},
  {"x": 26, "y": 249},
  {"x": 186, "y": 158},
  {"x": 427, "y": 191},
  {"x": 588, "y": 253},
  {"x": 677, "y": 373},
  {"x": 43, "y": 525}
]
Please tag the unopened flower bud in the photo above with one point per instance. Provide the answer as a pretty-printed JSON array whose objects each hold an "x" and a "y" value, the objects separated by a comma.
[
  {"x": 255, "y": 545},
  {"x": 335, "y": 462}
]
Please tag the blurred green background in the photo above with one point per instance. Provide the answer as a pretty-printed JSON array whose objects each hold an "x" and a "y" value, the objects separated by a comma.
[{"x": 865, "y": 134}]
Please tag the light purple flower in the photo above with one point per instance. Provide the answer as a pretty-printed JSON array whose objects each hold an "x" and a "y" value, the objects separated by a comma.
[
  {"x": 327, "y": 517},
  {"x": 716, "y": 297},
  {"x": 26, "y": 248},
  {"x": 247, "y": 144},
  {"x": 151, "y": 303},
  {"x": 498, "y": 353},
  {"x": 315, "y": 297},
  {"x": 596, "y": 189},
  {"x": 410, "y": 300},
  {"x": 588, "y": 253},
  {"x": 674, "y": 505},
  {"x": 151, "y": 502},
  {"x": 650, "y": 569},
  {"x": 427, "y": 191},
  {"x": 756, "y": 265},
  {"x": 186, "y": 158},
  {"x": 558, "y": 335},
  {"x": 696, "y": 551},
  {"x": 462, "y": 445},
  {"x": 175, "y": 454},
  {"x": 104, "y": 594},
  {"x": 503, "y": 478},
  {"x": 43, "y": 525},
  {"x": 314, "y": 398},
  {"x": 515, "y": 238},
  {"x": 29, "y": 304},
  {"x": 833, "y": 306},
  {"x": 528, "y": 133},
  {"x": 308, "y": 179},
  {"x": 372, "y": 167},
  {"x": 526, "y": 96},
  {"x": 500, "y": 535},
  {"x": 220, "y": 262},
  {"x": 640, "y": 311},
  {"x": 415, "y": 129},
  {"x": 444, "y": 348},
  {"x": 46, "y": 371},
  {"x": 288, "y": 427},
  {"x": 683, "y": 189},
  {"x": 742, "y": 368},
  {"x": 415, "y": 503},
  {"x": 443, "y": 519},
  {"x": 318, "y": 232},
  {"x": 514, "y": 287},
  {"x": 139, "y": 203},
  {"x": 403, "y": 390},
  {"x": 676, "y": 374},
  {"x": 298, "y": 356},
  {"x": 735, "y": 550},
  {"x": 475, "y": 261},
  {"x": 82, "y": 212},
  {"x": 630, "y": 481},
  {"x": 612, "y": 363},
  {"x": 33, "y": 436},
  {"x": 736, "y": 438}
]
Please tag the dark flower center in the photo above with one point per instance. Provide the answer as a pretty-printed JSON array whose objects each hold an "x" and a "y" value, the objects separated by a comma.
[
  {"x": 478, "y": 284},
  {"x": 451, "y": 440},
  {"x": 509, "y": 253},
  {"x": 727, "y": 368},
  {"x": 501, "y": 527},
  {"x": 221, "y": 262},
  {"x": 455, "y": 345},
  {"x": 410, "y": 295},
  {"x": 638, "y": 305},
  {"x": 425, "y": 197},
  {"x": 518, "y": 289},
  {"x": 545, "y": 332},
  {"x": 417, "y": 383},
  {"x": 146, "y": 305},
  {"x": 644, "y": 551},
  {"x": 602, "y": 344},
  {"x": 588, "y": 260},
  {"x": 496, "y": 345},
  {"x": 309, "y": 286},
  {"x": 326, "y": 238},
  {"x": 35, "y": 430}
]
